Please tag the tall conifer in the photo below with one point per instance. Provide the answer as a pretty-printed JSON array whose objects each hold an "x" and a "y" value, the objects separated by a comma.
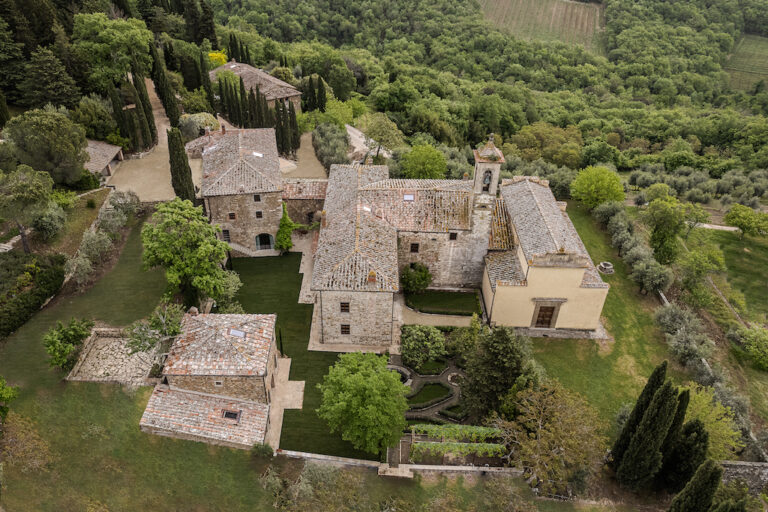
[
  {"x": 207, "y": 25},
  {"x": 144, "y": 135},
  {"x": 311, "y": 98},
  {"x": 5, "y": 116},
  {"x": 181, "y": 174},
  {"x": 321, "y": 96},
  {"x": 294, "y": 124},
  {"x": 141, "y": 89},
  {"x": 655, "y": 381},
  {"x": 205, "y": 80},
  {"x": 699, "y": 492},
  {"x": 687, "y": 453},
  {"x": 642, "y": 460}
]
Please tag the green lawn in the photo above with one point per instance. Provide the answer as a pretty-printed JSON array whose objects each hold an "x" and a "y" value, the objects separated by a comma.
[
  {"x": 271, "y": 285},
  {"x": 441, "y": 302},
  {"x": 746, "y": 261},
  {"x": 429, "y": 392},
  {"x": 608, "y": 374},
  {"x": 433, "y": 367}
]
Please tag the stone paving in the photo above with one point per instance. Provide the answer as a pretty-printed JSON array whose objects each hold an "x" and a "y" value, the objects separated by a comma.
[
  {"x": 287, "y": 394},
  {"x": 105, "y": 358}
]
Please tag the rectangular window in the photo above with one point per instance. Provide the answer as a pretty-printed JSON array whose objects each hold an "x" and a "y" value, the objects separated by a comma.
[
  {"x": 344, "y": 307},
  {"x": 231, "y": 415},
  {"x": 453, "y": 236},
  {"x": 414, "y": 247},
  {"x": 232, "y": 216},
  {"x": 259, "y": 215},
  {"x": 225, "y": 235},
  {"x": 407, "y": 197},
  {"x": 256, "y": 198},
  {"x": 218, "y": 383},
  {"x": 344, "y": 328}
]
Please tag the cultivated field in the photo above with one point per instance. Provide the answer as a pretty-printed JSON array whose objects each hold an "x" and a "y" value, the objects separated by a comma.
[
  {"x": 549, "y": 20},
  {"x": 749, "y": 62}
]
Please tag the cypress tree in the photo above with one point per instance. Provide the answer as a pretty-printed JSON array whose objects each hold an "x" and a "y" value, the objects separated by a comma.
[
  {"x": 168, "y": 98},
  {"x": 142, "y": 126},
  {"x": 311, "y": 99},
  {"x": 222, "y": 98},
  {"x": 688, "y": 452},
  {"x": 279, "y": 132},
  {"x": 157, "y": 65},
  {"x": 294, "y": 124},
  {"x": 205, "y": 80},
  {"x": 259, "y": 109},
  {"x": 241, "y": 50},
  {"x": 181, "y": 174},
  {"x": 170, "y": 57},
  {"x": 132, "y": 130},
  {"x": 252, "y": 110},
  {"x": 677, "y": 423},
  {"x": 642, "y": 460},
  {"x": 141, "y": 89},
  {"x": 117, "y": 111},
  {"x": 655, "y": 381},
  {"x": 243, "y": 104},
  {"x": 192, "y": 20},
  {"x": 698, "y": 493},
  {"x": 207, "y": 25},
  {"x": 321, "y": 99},
  {"x": 5, "y": 116},
  {"x": 233, "y": 48},
  {"x": 247, "y": 56}
]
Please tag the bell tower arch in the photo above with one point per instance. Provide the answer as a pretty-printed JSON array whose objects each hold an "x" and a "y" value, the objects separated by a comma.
[{"x": 488, "y": 160}]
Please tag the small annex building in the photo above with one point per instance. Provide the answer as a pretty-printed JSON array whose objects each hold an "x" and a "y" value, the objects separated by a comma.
[
  {"x": 273, "y": 89},
  {"x": 102, "y": 157},
  {"x": 218, "y": 381}
]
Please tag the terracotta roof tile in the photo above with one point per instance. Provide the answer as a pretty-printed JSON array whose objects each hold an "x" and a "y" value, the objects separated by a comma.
[
  {"x": 101, "y": 154},
  {"x": 305, "y": 188},
  {"x": 272, "y": 88}
]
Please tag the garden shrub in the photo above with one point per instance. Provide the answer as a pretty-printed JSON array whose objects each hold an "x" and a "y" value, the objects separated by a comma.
[
  {"x": 126, "y": 202},
  {"x": 415, "y": 278},
  {"x": 331, "y": 144},
  {"x": 80, "y": 268},
  {"x": 87, "y": 181},
  {"x": 421, "y": 343},
  {"x": 50, "y": 222},
  {"x": 64, "y": 198},
  {"x": 112, "y": 220},
  {"x": 63, "y": 342},
  {"x": 193, "y": 126},
  {"x": 94, "y": 245},
  {"x": 17, "y": 308},
  {"x": 755, "y": 340}
]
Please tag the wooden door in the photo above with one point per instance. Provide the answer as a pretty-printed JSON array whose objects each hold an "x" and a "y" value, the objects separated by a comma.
[{"x": 544, "y": 319}]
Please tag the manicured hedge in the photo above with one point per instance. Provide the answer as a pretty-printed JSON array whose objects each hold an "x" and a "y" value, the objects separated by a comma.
[{"x": 17, "y": 308}]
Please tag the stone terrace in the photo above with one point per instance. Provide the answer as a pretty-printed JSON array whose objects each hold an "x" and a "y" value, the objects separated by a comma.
[{"x": 105, "y": 358}]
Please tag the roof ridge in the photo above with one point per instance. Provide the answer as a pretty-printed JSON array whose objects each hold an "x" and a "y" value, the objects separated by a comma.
[{"x": 543, "y": 216}]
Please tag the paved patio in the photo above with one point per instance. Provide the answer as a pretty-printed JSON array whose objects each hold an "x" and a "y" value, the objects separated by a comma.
[
  {"x": 287, "y": 394},
  {"x": 105, "y": 357}
]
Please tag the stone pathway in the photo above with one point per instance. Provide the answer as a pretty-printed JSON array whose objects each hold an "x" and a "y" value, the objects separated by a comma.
[
  {"x": 150, "y": 177},
  {"x": 418, "y": 381},
  {"x": 287, "y": 394},
  {"x": 410, "y": 316},
  {"x": 105, "y": 358},
  {"x": 718, "y": 227},
  {"x": 307, "y": 164}
]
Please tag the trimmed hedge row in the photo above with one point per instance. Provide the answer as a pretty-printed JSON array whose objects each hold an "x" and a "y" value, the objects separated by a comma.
[{"x": 20, "y": 307}]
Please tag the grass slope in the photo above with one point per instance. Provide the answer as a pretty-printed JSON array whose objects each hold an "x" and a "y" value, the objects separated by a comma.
[
  {"x": 746, "y": 261},
  {"x": 548, "y": 20},
  {"x": 608, "y": 374},
  {"x": 271, "y": 285},
  {"x": 748, "y": 63}
]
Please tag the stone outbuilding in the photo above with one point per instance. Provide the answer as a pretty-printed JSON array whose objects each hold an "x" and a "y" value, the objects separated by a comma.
[
  {"x": 242, "y": 188},
  {"x": 102, "y": 157},
  {"x": 273, "y": 89},
  {"x": 218, "y": 381}
]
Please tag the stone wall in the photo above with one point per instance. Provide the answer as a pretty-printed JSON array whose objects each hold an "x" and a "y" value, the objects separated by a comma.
[
  {"x": 453, "y": 263},
  {"x": 754, "y": 474},
  {"x": 300, "y": 210},
  {"x": 246, "y": 226},
  {"x": 247, "y": 387},
  {"x": 369, "y": 317}
]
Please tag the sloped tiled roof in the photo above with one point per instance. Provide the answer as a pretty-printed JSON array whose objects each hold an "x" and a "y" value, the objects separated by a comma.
[
  {"x": 305, "y": 188},
  {"x": 504, "y": 268},
  {"x": 272, "y": 88},
  {"x": 500, "y": 237},
  {"x": 100, "y": 155},
  {"x": 188, "y": 414},
  {"x": 242, "y": 162},
  {"x": 421, "y": 205},
  {"x": 227, "y": 345},
  {"x": 354, "y": 244}
]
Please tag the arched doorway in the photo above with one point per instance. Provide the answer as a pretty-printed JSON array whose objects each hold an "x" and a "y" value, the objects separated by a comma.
[
  {"x": 264, "y": 241},
  {"x": 487, "y": 177}
]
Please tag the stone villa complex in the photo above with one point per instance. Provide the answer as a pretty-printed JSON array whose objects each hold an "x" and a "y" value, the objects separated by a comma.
[{"x": 511, "y": 239}]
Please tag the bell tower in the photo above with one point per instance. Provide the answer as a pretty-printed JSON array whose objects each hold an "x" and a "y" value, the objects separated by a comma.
[{"x": 488, "y": 160}]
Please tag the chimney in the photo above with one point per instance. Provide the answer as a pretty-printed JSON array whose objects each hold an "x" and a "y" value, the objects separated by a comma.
[
  {"x": 323, "y": 219},
  {"x": 192, "y": 311},
  {"x": 371, "y": 277},
  {"x": 466, "y": 176}
]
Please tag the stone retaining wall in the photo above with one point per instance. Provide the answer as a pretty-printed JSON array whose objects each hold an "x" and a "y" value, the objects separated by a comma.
[{"x": 754, "y": 474}]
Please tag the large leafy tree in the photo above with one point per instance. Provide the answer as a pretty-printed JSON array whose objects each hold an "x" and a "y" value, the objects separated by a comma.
[
  {"x": 666, "y": 218},
  {"x": 555, "y": 436},
  {"x": 655, "y": 381},
  {"x": 382, "y": 131},
  {"x": 747, "y": 220},
  {"x": 46, "y": 81},
  {"x": 642, "y": 460},
  {"x": 180, "y": 240},
  {"x": 718, "y": 420},
  {"x": 698, "y": 493},
  {"x": 111, "y": 46},
  {"x": 364, "y": 401},
  {"x": 421, "y": 343},
  {"x": 500, "y": 359},
  {"x": 47, "y": 140},
  {"x": 181, "y": 174},
  {"x": 63, "y": 342},
  {"x": 596, "y": 185},
  {"x": 24, "y": 195},
  {"x": 424, "y": 162}
]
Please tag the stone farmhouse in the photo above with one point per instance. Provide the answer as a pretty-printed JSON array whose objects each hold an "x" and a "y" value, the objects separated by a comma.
[
  {"x": 218, "y": 381},
  {"x": 511, "y": 239},
  {"x": 273, "y": 89}
]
